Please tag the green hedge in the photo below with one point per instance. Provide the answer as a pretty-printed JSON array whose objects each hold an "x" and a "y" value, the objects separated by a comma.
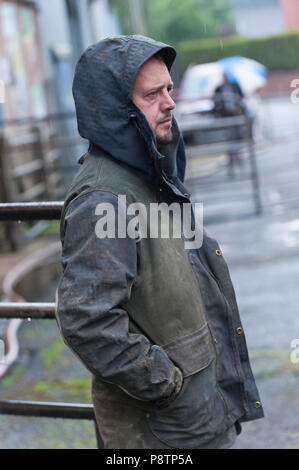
[{"x": 275, "y": 52}]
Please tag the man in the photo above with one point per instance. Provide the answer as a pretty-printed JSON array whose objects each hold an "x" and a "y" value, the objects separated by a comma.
[
  {"x": 155, "y": 322},
  {"x": 228, "y": 98},
  {"x": 228, "y": 102}
]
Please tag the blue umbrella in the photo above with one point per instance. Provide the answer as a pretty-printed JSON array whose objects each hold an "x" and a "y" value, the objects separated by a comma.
[{"x": 248, "y": 73}]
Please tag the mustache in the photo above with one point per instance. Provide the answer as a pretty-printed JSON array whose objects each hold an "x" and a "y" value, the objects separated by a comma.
[{"x": 166, "y": 118}]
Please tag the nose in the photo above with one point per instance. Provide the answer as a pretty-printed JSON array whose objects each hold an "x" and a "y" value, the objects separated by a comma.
[{"x": 167, "y": 103}]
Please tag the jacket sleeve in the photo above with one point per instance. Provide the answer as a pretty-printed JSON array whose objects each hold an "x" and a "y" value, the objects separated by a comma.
[{"x": 96, "y": 280}]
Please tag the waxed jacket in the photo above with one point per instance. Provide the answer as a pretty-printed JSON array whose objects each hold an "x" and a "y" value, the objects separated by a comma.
[{"x": 154, "y": 320}]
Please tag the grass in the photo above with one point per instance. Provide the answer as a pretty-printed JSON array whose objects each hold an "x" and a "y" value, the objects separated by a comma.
[
  {"x": 14, "y": 376},
  {"x": 272, "y": 363},
  {"x": 51, "y": 355},
  {"x": 70, "y": 434},
  {"x": 77, "y": 387}
]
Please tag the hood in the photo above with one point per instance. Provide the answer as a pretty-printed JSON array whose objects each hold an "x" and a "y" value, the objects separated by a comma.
[{"x": 103, "y": 92}]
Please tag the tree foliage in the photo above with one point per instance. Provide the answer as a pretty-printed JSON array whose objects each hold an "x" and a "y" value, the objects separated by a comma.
[
  {"x": 173, "y": 21},
  {"x": 176, "y": 20},
  {"x": 279, "y": 52}
]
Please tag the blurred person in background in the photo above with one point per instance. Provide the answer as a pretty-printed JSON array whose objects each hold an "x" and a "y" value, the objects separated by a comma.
[
  {"x": 228, "y": 99},
  {"x": 229, "y": 102},
  {"x": 155, "y": 323}
]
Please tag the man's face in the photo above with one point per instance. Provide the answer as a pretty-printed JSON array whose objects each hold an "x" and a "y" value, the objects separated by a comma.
[{"x": 152, "y": 95}]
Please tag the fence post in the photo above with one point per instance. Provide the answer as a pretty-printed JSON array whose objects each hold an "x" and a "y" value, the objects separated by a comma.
[{"x": 9, "y": 229}]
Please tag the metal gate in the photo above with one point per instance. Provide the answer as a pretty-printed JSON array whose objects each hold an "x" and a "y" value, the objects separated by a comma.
[{"x": 13, "y": 310}]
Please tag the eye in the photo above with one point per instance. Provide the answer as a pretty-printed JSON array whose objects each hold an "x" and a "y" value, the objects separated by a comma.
[{"x": 152, "y": 94}]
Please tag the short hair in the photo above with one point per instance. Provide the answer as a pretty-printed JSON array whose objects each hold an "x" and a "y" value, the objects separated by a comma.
[{"x": 159, "y": 56}]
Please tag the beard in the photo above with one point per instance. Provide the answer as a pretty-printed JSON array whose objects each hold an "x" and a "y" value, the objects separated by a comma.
[{"x": 164, "y": 138}]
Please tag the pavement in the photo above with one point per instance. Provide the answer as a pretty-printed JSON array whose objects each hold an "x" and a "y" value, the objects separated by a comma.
[{"x": 262, "y": 252}]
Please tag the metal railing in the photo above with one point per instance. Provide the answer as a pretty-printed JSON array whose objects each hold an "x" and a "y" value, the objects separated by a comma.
[
  {"x": 38, "y": 159},
  {"x": 26, "y": 310},
  {"x": 225, "y": 135},
  {"x": 41, "y": 311},
  {"x": 31, "y": 211}
]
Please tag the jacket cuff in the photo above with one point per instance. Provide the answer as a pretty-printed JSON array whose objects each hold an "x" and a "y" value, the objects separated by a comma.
[{"x": 166, "y": 401}]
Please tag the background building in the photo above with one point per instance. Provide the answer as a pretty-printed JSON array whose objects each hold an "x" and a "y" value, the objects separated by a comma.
[
  {"x": 40, "y": 43},
  {"x": 21, "y": 62},
  {"x": 258, "y": 18},
  {"x": 290, "y": 9},
  {"x": 261, "y": 18}
]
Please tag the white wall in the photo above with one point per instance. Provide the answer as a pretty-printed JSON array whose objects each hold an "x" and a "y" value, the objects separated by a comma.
[
  {"x": 259, "y": 22},
  {"x": 54, "y": 25},
  {"x": 103, "y": 21}
]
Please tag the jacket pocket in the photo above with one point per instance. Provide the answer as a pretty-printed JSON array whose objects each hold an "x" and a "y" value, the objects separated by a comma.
[{"x": 196, "y": 416}]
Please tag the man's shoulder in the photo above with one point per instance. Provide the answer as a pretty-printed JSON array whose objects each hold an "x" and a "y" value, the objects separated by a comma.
[
  {"x": 95, "y": 171},
  {"x": 105, "y": 173}
]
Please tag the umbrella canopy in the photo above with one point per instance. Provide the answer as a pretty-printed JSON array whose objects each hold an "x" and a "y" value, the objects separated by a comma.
[
  {"x": 200, "y": 81},
  {"x": 248, "y": 73}
]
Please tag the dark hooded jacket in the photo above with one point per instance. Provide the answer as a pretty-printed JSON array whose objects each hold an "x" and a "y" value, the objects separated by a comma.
[{"x": 157, "y": 324}]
